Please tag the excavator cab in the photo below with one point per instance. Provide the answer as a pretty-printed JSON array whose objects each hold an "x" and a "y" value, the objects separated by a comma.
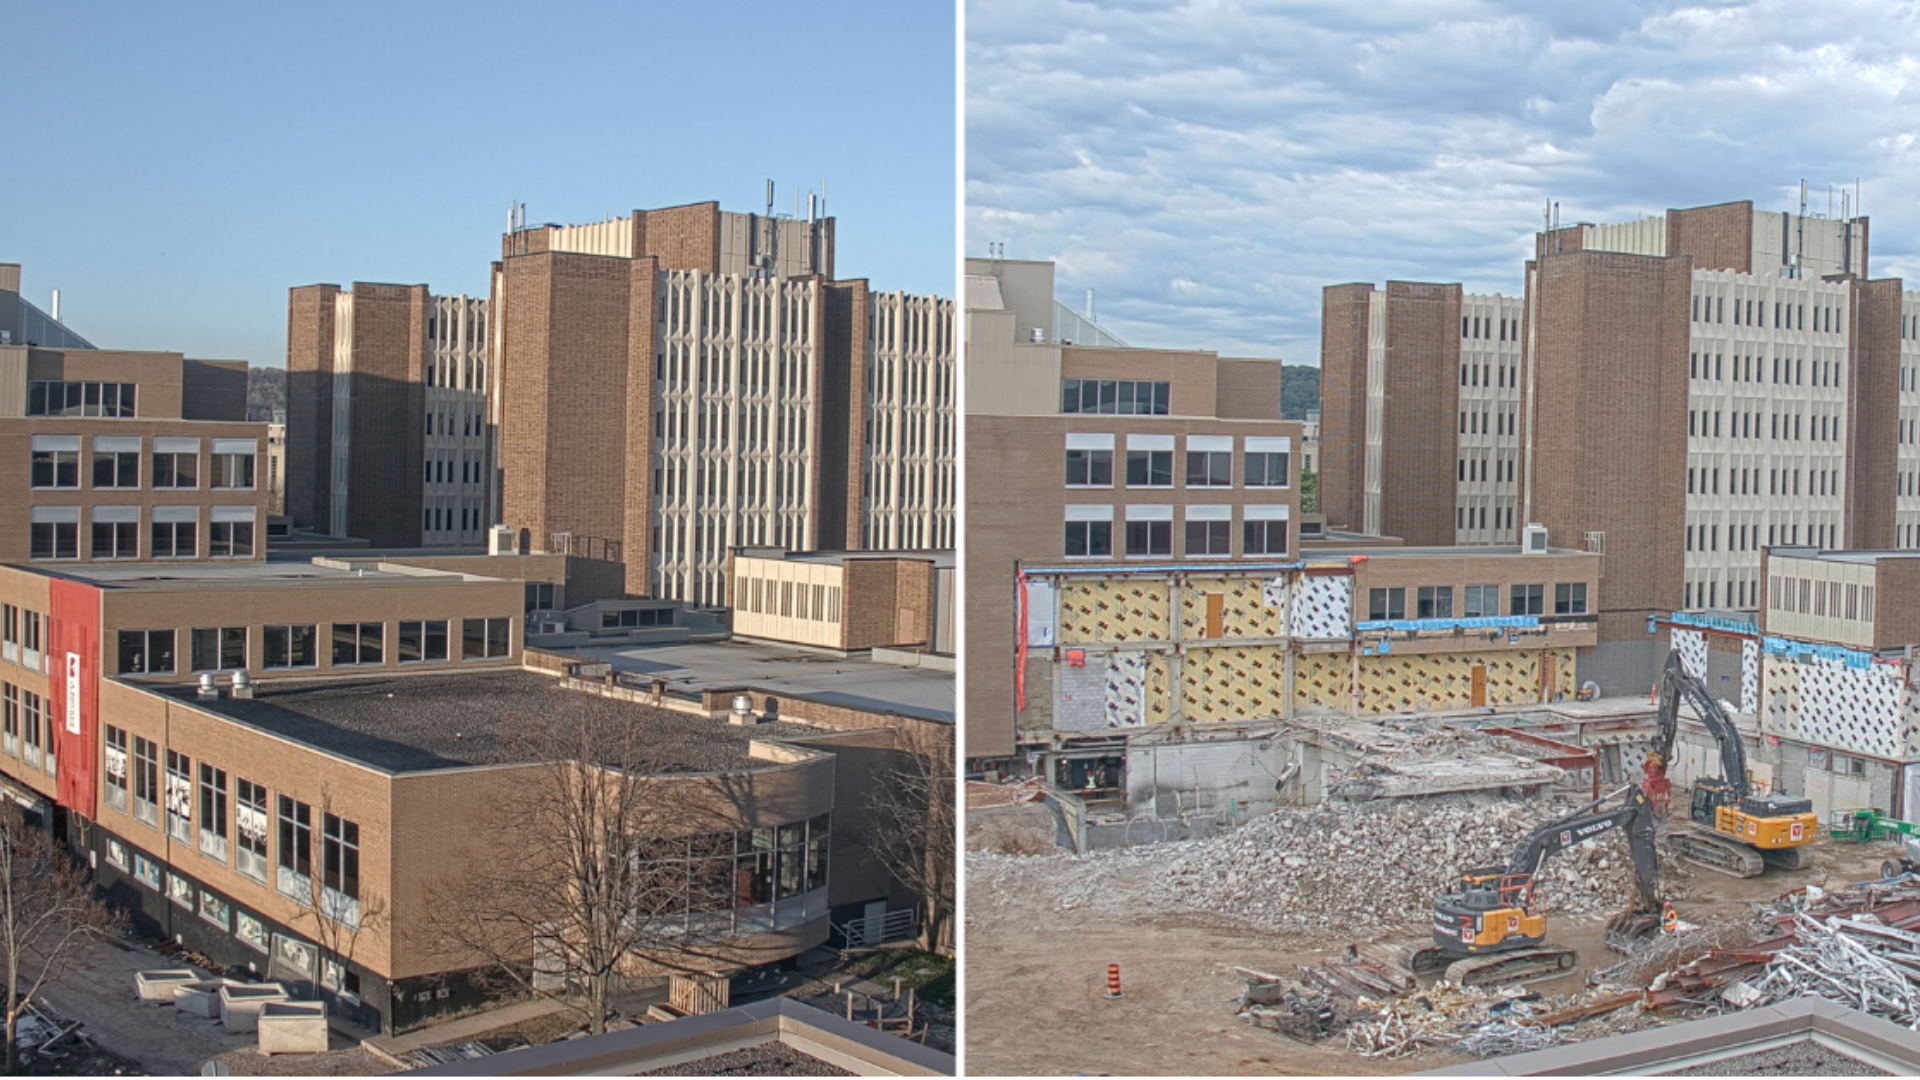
[{"x": 1491, "y": 911}]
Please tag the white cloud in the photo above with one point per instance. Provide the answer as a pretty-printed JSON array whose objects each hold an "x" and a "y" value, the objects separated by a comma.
[{"x": 1209, "y": 165}]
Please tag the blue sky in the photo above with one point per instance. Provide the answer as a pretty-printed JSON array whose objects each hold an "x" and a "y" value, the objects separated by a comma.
[
  {"x": 174, "y": 168},
  {"x": 1209, "y": 165}
]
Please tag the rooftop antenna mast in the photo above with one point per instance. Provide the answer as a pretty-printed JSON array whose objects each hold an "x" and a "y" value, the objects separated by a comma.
[
  {"x": 768, "y": 255},
  {"x": 1800, "y": 230}
]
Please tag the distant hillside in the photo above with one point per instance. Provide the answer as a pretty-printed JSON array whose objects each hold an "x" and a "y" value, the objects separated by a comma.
[
  {"x": 267, "y": 391},
  {"x": 1299, "y": 390}
]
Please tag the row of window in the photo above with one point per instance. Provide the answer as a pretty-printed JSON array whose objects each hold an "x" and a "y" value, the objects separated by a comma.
[
  {"x": 26, "y": 728},
  {"x": 1475, "y": 517},
  {"x": 1746, "y": 425},
  {"x": 1480, "y": 601},
  {"x": 1204, "y": 468},
  {"x": 441, "y": 518},
  {"x": 1205, "y": 538},
  {"x": 440, "y": 471},
  {"x": 174, "y": 533},
  {"x": 1486, "y": 422},
  {"x": 114, "y": 463},
  {"x": 786, "y": 599},
  {"x": 1487, "y": 374},
  {"x": 224, "y": 648},
  {"x": 1787, "y": 370},
  {"x": 1475, "y": 469},
  {"x": 1481, "y": 327},
  {"x": 1749, "y": 312},
  {"x": 1115, "y": 397},
  {"x": 1704, "y": 481},
  {"x": 133, "y": 787},
  {"x": 62, "y": 398},
  {"x": 1828, "y": 599},
  {"x": 1747, "y": 537},
  {"x": 1740, "y": 594}
]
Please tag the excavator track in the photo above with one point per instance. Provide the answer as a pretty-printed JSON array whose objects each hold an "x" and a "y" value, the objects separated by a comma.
[
  {"x": 1702, "y": 847},
  {"x": 1520, "y": 966},
  {"x": 1787, "y": 858},
  {"x": 1419, "y": 961}
]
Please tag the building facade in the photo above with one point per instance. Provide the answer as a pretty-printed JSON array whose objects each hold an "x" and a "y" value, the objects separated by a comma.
[
  {"x": 388, "y": 437},
  {"x": 1108, "y": 457},
  {"x": 109, "y": 456},
  {"x": 740, "y": 395}
]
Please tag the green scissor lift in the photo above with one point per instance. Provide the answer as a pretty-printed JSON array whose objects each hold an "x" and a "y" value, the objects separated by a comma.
[{"x": 1865, "y": 825}]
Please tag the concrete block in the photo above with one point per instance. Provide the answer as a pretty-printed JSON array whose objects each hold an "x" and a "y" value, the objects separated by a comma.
[
  {"x": 240, "y": 1005},
  {"x": 293, "y": 1027},
  {"x": 157, "y": 986},
  {"x": 199, "y": 998}
]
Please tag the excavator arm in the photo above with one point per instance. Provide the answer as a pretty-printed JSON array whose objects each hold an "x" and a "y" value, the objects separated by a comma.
[
  {"x": 1675, "y": 684},
  {"x": 1635, "y": 816}
]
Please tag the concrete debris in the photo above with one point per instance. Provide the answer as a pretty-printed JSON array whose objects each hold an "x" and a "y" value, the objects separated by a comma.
[
  {"x": 1340, "y": 866},
  {"x": 1864, "y": 965}
]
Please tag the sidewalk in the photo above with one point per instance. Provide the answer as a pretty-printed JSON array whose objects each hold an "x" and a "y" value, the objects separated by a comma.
[{"x": 398, "y": 1048}]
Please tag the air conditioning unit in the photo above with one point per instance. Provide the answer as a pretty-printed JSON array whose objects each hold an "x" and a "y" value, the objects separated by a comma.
[{"x": 1534, "y": 542}]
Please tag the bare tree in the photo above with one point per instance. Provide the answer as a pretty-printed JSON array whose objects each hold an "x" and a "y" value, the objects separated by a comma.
[
  {"x": 595, "y": 865},
  {"x": 911, "y": 825},
  {"x": 47, "y": 912}
]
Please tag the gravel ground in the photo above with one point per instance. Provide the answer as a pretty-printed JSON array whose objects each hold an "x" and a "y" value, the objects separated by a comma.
[
  {"x": 357, "y": 1061},
  {"x": 1795, "y": 1059},
  {"x": 768, "y": 1059}
]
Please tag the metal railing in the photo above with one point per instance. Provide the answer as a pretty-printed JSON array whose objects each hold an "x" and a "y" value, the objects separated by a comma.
[{"x": 864, "y": 933}]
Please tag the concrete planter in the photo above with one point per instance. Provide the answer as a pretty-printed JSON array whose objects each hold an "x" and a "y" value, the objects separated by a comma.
[
  {"x": 293, "y": 1027},
  {"x": 199, "y": 998},
  {"x": 157, "y": 986},
  {"x": 240, "y": 1005}
]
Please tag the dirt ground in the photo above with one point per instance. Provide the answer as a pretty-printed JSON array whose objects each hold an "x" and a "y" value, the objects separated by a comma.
[{"x": 1036, "y": 976}]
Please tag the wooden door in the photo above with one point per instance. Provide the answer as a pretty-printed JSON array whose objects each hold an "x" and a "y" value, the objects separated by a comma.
[
  {"x": 1214, "y": 604},
  {"x": 1479, "y": 685}
]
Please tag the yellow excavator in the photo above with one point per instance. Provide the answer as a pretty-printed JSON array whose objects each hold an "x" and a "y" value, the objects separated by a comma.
[
  {"x": 1729, "y": 828},
  {"x": 1491, "y": 927}
]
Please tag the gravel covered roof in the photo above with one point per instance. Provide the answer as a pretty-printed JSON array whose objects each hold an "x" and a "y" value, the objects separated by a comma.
[{"x": 420, "y": 722}]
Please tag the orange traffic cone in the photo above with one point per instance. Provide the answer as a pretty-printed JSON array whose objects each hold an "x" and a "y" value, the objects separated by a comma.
[
  {"x": 1669, "y": 922},
  {"x": 1113, "y": 981}
]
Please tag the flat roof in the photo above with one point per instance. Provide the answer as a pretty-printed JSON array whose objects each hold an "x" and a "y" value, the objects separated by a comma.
[
  {"x": 416, "y": 723},
  {"x": 241, "y": 574},
  {"x": 818, "y": 676},
  {"x": 938, "y": 558},
  {"x": 1869, "y": 555}
]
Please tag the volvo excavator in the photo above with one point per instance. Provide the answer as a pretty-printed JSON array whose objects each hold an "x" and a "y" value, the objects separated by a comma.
[
  {"x": 1729, "y": 828},
  {"x": 1491, "y": 928}
]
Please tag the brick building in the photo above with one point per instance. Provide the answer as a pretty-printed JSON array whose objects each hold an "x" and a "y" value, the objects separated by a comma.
[
  {"x": 108, "y": 455},
  {"x": 733, "y": 391},
  {"x": 388, "y": 432},
  {"x": 1107, "y": 455},
  {"x": 846, "y": 601},
  {"x": 1676, "y": 393},
  {"x": 255, "y": 822}
]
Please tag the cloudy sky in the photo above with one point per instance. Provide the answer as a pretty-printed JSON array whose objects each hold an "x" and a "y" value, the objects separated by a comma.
[{"x": 1208, "y": 165}]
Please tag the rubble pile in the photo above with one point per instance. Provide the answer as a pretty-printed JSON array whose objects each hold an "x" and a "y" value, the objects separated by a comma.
[
  {"x": 1347, "y": 866},
  {"x": 1380, "y": 863}
]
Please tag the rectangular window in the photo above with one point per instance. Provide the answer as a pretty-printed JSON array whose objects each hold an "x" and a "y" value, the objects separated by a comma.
[
  {"x": 1264, "y": 537},
  {"x": 1528, "y": 600},
  {"x": 1269, "y": 470},
  {"x": 116, "y": 532},
  {"x": 175, "y": 539},
  {"x": 9, "y": 633},
  {"x": 539, "y": 596},
  {"x": 1149, "y": 468},
  {"x": 289, "y": 647},
  {"x": 340, "y": 855},
  {"x": 1482, "y": 601},
  {"x": 175, "y": 469},
  {"x": 1210, "y": 537},
  {"x": 146, "y": 781},
  {"x": 116, "y": 768},
  {"x": 54, "y": 464},
  {"x": 1386, "y": 603},
  {"x": 114, "y": 400},
  {"x": 1209, "y": 468},
  {"x": 1088, "y": 539},
  {"x": 1129, "y": 397},
  {"x": 1089, "y": 468},
  {"x": 358, "y": 643},
  {"x": 179, "y": 797},
  {"x": 250, "y": 829},
  {"x": 113, "y": 466},
  {"x": 1149, "y": 537},
  {"x": 146, "y": 652},
  {"x": 10, "y": 723},
  {"x": 1436, "y": 602},
  {"x": 423, "y": 642},
  {"x": 213, "y": 812},
  {"x": 484, "y": 639},
  {"x": 30, "y": 713},
  {"x": 55, "y": 539},
  {"x": 296, "y": 850},
  {"x": 1570, "y": 599},
  {"x": 220, "y": 648},
  {"x": 232, "y": 466},
  {"x": 230, "y": 540}
]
